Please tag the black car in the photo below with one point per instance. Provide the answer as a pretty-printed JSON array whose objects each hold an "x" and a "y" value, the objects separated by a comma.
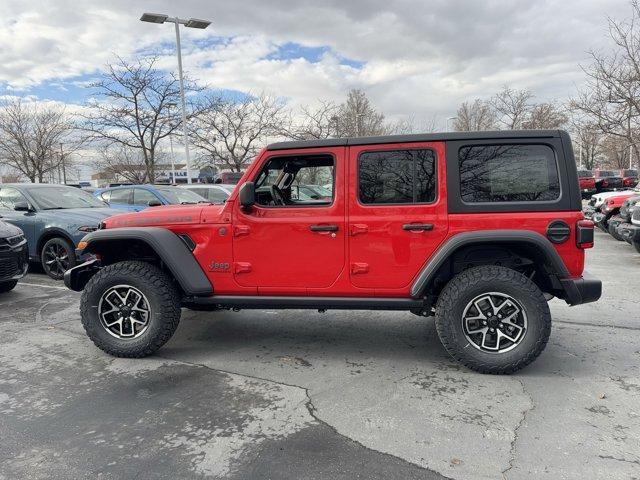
[{"x": 14, "y": 256}]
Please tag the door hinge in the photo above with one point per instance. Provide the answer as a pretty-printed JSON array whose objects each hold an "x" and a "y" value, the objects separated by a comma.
[
  {"x": 359, "y": 268},
  {"x": 240, "y": 230},
  {"x": 358, "y": 228},
  {"x": 241, "y": 267}
]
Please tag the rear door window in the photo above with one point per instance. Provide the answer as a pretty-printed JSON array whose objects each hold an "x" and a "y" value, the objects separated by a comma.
[
  {"x": 142, "y": 197},
  {"x": 508, "y": 173},
  {"x": 397, "y": 177}
]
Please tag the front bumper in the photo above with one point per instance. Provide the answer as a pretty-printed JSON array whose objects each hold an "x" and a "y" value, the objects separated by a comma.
[
  {"x": 600, "y": 220},
  {"x": 630, "y": 232},
  {"x": 77, "y": 277},
  {"x": 14, "y": 262},
  {"x": 581, "y": 290},
  {"x": 589, "y": 211}
]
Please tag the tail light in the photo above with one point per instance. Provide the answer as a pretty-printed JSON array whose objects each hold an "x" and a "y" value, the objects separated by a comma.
[{"x": 584, "y": 234}]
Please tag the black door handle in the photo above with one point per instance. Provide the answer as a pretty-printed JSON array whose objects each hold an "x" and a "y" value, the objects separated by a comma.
[
  {"x": 323, "y": 228},
  {"x": 417, "y": 227}
]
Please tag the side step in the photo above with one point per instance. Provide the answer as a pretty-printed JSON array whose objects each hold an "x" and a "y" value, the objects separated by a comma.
[{"x": 320, "y": 303}]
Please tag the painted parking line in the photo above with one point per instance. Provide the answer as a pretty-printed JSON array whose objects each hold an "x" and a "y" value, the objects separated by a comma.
[{"x": 42, "y": 285}]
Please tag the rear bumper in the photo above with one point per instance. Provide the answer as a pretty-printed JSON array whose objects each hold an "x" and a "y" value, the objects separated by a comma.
[
  {"x": 581, "y": 290},
  {"x": 630, "y": 232},
  {"x": 587, "y": 191},
  {"x": 615, "y": 221}
]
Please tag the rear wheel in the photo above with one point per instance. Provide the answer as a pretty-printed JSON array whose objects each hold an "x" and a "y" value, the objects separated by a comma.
[
  {"x": 130, "y": 309},
  {"x": 636, "y": 245},
  {"x": 8, "y": 286},
  {"x": 614, "y": 233},
  {"x": 493, "y": 319},
  {"x": 57, "y": 256}
]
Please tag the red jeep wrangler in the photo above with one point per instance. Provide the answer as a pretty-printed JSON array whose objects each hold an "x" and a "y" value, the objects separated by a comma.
[{"x": 478, "y": 229}]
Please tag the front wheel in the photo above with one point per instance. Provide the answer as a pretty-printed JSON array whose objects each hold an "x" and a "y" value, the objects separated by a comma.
[
  {"x": 130, "y": 309},
  {"x": 493, "y": 319},
  {"x": 613, "y": 232},
  {"x": 57, "y": 256}
]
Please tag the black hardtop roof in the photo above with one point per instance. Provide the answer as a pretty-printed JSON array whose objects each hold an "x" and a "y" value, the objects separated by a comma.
[{"x": 419, "y": 137}]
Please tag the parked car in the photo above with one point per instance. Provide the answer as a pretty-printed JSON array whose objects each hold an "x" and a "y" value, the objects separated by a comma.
[
  {"x": 310, "y": 192},
  {"x": 607, "y": 180},
  {"x": 213, "y": 193},
  {"x": 629, "y": 178},
  {"x": 229, "y": 178},
  {"x": 476, "y": 228},
  {"x": 14, "y": 256},
  {"x": 587, "y": 183},
  {"x": 608, "y": 212},
  {"x": 631, "y": 232},
  {"x": 135, "y": 198},
  {"x": 625, "y": 228},
  {"x": 53, "y": 218}
]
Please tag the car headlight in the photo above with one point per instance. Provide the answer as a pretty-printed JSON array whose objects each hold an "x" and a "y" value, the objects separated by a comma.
[{"x": 88, "y": 228}]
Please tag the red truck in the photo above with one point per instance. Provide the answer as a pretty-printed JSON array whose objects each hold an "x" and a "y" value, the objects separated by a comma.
[
  {"x": 478, "y": 229},
  {"x": 587, "y": 183}
]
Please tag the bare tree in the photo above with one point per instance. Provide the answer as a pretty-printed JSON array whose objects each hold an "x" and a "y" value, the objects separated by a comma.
[
  {"x": 133, "y": 109},
  {"x": 357, "y": 117},
  {"x": 411, "y": 125},
  {"x": 472, "y": 117},
  {"x": 615, "y": 151},
  {"x": 30, "y": 136},
  {"x": 320, "y": 121},
  {"x": 611, "y": 96},
  {"x": 512, "y": 107},
  {"x": 121, "y": 162},
  {"x": 230, "y": 132},
  {"x": 545, "y": 116}
]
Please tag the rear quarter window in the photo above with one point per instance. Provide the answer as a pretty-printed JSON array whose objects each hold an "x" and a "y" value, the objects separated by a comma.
[{"x": 508, "y": 173}]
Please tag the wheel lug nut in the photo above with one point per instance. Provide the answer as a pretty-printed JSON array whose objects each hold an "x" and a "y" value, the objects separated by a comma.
[
  {"x": 489, "y": 314},
  {"x": 492, "y": 330},
  {"x": 484, "y": 322}
]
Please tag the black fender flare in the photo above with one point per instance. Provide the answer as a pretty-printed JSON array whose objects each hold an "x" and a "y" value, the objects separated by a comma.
[
  {"x": 167, "y": 245},
  {"x": 541, "y": 243}
]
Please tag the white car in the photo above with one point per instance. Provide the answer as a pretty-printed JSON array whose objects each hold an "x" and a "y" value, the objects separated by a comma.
[{"x": 599, "y": 198}]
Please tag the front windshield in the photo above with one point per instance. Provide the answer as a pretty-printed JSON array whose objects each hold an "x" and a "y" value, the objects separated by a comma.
[
  {"x": 59, "y": 197},
  {"x": 179, "y": 196}
]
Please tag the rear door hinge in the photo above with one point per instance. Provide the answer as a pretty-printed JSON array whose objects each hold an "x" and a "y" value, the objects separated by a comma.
[
  {"x": 240, "y": 230},
  {"x": 241, "y": 267},
  {"x": 357, "y": 268}
]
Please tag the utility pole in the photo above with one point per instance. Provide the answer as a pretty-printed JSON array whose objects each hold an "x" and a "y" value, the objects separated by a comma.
[{"x": 64, "y": 170}]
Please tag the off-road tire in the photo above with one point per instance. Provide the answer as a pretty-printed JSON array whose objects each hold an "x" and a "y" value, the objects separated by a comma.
[
  {"x": 467, "y": 285},
  {"x": 71, "y": 256},
  {"x": 614, "y": 233},
  {"x": 164, "y": 301},
  {"x": 8, "y": 286}
]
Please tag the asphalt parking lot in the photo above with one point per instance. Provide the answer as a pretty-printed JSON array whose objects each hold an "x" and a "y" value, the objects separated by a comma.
[{"x": 297, "y": 394}]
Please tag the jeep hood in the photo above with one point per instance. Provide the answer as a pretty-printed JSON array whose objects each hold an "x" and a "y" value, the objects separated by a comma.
[{"x": 166, "y": 216}]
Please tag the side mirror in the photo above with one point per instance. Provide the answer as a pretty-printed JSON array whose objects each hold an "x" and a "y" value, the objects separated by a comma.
[
  {"x": 154, "y": 203},
  {"x": 22, "y": 207},
  {"x": 247, "y": 194}
]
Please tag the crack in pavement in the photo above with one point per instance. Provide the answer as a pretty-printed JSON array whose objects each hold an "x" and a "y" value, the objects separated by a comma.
[
  {"x": 610, "y": 457},
  {"x": 588, "y": 324},
  {"x": 310, "y": 408},
  {"x": 513, "y": 449}
]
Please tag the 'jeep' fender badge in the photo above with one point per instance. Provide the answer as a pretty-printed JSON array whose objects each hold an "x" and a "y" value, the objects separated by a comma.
[{"x": 219, "y": 266}]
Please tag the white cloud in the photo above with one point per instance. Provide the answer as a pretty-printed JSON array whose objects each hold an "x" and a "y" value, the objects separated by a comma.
[{"x": 419, "y": 56}]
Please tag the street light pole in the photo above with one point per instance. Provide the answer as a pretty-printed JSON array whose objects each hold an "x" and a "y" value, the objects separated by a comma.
[
  {"x": 184, "y": 107},
  {"x": 191, "y": 23}
]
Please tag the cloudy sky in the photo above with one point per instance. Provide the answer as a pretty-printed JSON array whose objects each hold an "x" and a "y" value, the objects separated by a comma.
[{"x": 412, "y": 57}]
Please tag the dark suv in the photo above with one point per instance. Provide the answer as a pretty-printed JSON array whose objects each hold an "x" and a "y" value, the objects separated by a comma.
[
  {"x": 478, "y": 229},
  {"x": 14, "y": 256},
  {"x": 607, "y": 180}
]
